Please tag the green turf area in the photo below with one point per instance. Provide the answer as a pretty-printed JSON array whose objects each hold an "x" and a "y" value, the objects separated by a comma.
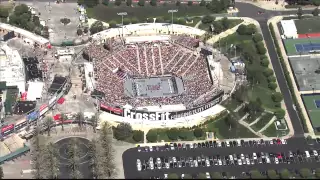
[
  {"x": 264, "y": 93},
  {"x": 308, "y": 25},
  {"x": 241, "y": 112},
  {"x": 195, "y": 21},
  {"x": 233, "y": 23},
  {"x": 223, "y": 131},
  {"x": 231, "y": 104},
  {"x": 290, "y": 44},
  {"x": 253, "y": 117},
  {"x": 272, "y": 131},
  {"x": 108, "y": 13},
  {"x": 313, "y": 111},
  {"x": 262, "y": 122},
  {"x": 234, "y": 38}
]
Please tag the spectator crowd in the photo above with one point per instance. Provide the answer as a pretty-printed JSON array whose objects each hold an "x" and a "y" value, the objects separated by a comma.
[{"x": 152, "y": 59}]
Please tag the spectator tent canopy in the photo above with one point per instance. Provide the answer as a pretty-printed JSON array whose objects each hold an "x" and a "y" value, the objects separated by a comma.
[
  {"x": 35, "y": 90},
  {"x": 289, "y": 29}
]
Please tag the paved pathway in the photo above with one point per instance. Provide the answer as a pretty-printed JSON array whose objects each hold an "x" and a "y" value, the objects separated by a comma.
[
  {"x": 245, "y": 124},
  {"x": 239, "y": 107},
  {"x": 256, "y": 120},
  {"x": 268, "y": 124}
]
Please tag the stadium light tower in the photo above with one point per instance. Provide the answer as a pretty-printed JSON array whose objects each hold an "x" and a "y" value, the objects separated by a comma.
[
  {"x": 122, "y": 14},
  {"x": 172, "y": 11}
]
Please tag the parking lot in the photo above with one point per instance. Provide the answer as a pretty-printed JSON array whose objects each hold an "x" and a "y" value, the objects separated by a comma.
[{"x": 229, "y": 157}]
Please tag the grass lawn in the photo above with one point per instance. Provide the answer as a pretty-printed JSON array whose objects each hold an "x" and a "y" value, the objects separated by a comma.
[
  {"x": 264, "y": 94},
  {"x": 222, "y": 131},
  {"x": 253, "y": 117},
  {"x": 108, "y": 13},
  {"x": 241, "y": 112},
  {"x": 262, "y": 122},
  {"x": 271, "y": 131},
  {"x": 194, "y": 23}
]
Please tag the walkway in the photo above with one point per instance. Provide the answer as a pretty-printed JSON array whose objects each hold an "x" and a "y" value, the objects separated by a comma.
[
  {"x": 256, "y": 120},
  {"x": 268, "y": 124},
  {"x": 245, "y": 124}
]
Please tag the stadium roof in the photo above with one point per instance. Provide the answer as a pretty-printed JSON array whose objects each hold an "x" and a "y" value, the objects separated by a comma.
[
  {"x": 147, "y": 28},
  {"x": 34, "y": 90},
  {"x": 38, "y": 39},
  {"x": 12, "y": 68}
]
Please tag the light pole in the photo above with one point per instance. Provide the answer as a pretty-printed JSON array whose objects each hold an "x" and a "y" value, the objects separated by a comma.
[
  {"x": 122, "y": 14},
  {"x": 172, "y": 11}
]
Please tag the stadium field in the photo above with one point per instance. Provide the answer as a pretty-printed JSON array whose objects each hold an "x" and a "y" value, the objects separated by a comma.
[
  {"x": 310, "y": 25},
  {"x": 291, "y": 45},
  {"x": 312, "y": 104}
]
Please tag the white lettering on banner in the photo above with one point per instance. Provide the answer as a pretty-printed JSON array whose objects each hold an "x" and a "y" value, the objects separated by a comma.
[
  {"x": 156, "y": 116},
  {"x": 52, "y": 100}
]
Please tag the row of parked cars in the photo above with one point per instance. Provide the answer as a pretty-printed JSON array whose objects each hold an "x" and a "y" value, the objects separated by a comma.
[
  {"x": 211, "y": 144},
  {"x": 217, "y": 160}
]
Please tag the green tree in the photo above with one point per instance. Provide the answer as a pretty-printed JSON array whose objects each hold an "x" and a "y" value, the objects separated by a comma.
[
  {"x": 37, "y": 155},
  {"x": 129, "y": 2},
  {"x": 73, "y": 157},
  {"x": 272, "y": 79},
  {"x": 117, "y": 2},
  {"x": 89, "y": 3},
  {"x": 96, "y": 27},
  {"x": 134, "y": 20},
  {"x": 285, "y": 174},
  {"x": 80, "y": 118},
  {"x": 4, "y": 12},
  {"x": 52, "y": 161},
  {"x": 230, "y": 122},
  {"x": 260, "y": 47},
  {"x": 1, "y": 173},
  {"x": 272, "y": 174},
  {"x": 218, "y": 27},
  {"x": 112, "y": 24},
  {"x": 153, "y": 2},
  {"x": 225, "y": 23},
  {"x": 184, "y": 133},
  {"x": 122, "y": 131},
  {"x": 48, "y": 123},
  {"x": 126, "y": 21},
  {"x": 94, "y": 121},
  {"x": 187, "y": 176},
  {"x": 106, "y": 2},
  {"x": 160, "y": 19},
  {"x": 173, "y": 133},
  {"x": 272, "y": 85},
  {"x": 141, "y": 2},
  {"x": 300, "y": 13},
  {"x": 317, "y": 173},
  {"x": 257, "y": 37},
  {"x": 268, "y": 72},
  {"x": 315, "y": 12},
  {"x": 79, "y": 32},
  {"x": 305, "y": 173},
  {"x": 207, "y": 19},
  {"x": 173, "y": 176},
  {"x": 251, "y": 29},
  {"x": 190, "y": 3},
  {"x": 152, "y": 135},
  {"x": 63, "y": 118},
  {"x": 255, "y": 174},
  {"x": 198, "y": 132},
  {"x": 216, "y": 175},
  {"x": 242, "y": 29},
  {"x": 178, "y": 3},
  {"x": 265, "y": 63},
  {"x": 202, "y": 3},
  {"x": 202, "y": 176},
  {"x": 277, "y": 97},
  {"x": 138, "y": 135},
  {"x": 280, "y": 113}
]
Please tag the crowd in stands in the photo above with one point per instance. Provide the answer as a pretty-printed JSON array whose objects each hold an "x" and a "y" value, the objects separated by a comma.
[{"x": 146, "y": 59}]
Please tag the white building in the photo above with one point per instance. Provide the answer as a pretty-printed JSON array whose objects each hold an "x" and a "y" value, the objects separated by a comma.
[
  {"x": 289, "y": 29},
  {"x": 12, "y": 68},
  {"x": 89, "y": 76},
  {"x": 34, "y": 90}
]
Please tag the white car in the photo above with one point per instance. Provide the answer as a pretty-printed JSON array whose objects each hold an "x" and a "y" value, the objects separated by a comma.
[
  {"x": 242, "y": 156},
  {"x": 315, "y": 153},
  {"x": 271, "y": 142},
  {"x": 283, "y": 141},
  {"x": 239, "y": 162},
  {"x": 167, "y": 166},
  {"x": 219, "y": 144},
  {"x": 151, "y": 166},
  {"x": 182, "y": 176},
  {"x": 171, "y": 146},
  {"x": 230, "y": 157},
  {"x": 151, "y": 160},
  {"x": 239, "y": 143},
  {"x": 254, "y": 155},
  {"x": 248, "y": 161},
  {"x": 139, "y": 165},
  {"x": 268, "y": 160},
  {"x": 208, "y": 175},
  {"x": 165, "y": 176},
  {"x": 227, "y": 144},
  {"x": 191, "y": 146},
  {"x": 151, "y": 148},
  {"x": 207, "y": 163},
  {"x": 195, "y": 162},
  {"x": 174, "y": 159},
  {"x": 276, "y": 160},
  {"x": 220, "y": 162}
]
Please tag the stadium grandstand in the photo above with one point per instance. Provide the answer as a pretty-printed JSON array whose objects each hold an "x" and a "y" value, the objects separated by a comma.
[{"x": 152, "y": 70}]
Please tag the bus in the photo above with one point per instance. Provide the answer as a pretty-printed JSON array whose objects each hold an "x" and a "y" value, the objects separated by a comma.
[{"x": 8, "y": 129}]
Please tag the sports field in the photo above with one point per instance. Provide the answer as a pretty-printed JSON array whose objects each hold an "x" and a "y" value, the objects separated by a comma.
[
  {"x": 312, "y": 104},
  {"x": 310, "y": 25},
  {"x": 304, "y": 45}
]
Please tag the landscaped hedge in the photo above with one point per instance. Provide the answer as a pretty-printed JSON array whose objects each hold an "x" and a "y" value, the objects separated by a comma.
[{"x": 287, "y": 76}]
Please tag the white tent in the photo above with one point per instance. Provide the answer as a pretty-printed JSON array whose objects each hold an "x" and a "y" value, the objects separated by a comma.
[
  {"x": 35, "y": 91},
  {"x": 289, "y": 29}
]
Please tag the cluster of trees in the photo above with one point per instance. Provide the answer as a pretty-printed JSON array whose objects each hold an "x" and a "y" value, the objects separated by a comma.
[
  {"x": 176, "y": 134},
  {"x": 1, "y": 173},
  {"x": 283, "y": 174},
  {"x": 218, "y": 26},
  {"x": 22, "y": 18},
  {"x": 4, "y": 12},
  {"x": 303, "y": 2},
  {"x": 215, "y": 6},
  {"x": 124, "y": 131}
]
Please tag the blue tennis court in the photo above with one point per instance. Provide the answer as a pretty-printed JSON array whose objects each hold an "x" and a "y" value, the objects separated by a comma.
[
  {"x": 317, "y": 103},
  {"x": 307, "y": 47}
]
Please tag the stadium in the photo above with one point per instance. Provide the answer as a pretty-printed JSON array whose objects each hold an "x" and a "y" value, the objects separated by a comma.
[{"x": 156, "y": 76}]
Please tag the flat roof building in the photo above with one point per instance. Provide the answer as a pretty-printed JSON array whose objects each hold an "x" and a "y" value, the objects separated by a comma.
[{"x": 289, "y": 29}]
